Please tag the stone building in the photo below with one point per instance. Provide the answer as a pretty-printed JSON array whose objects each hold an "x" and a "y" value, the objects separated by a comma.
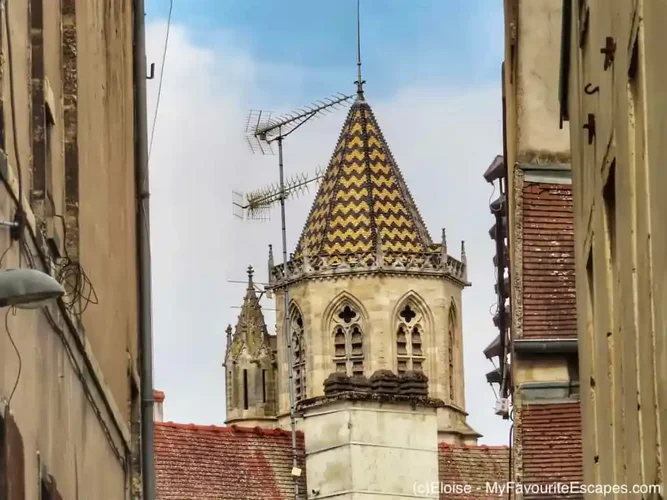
[
  {"x": 535, "y": 236},
  {"x": 375, "y": 333},
  {"x": 69, "y": 379},
  {"x": 613, "y": 98}
]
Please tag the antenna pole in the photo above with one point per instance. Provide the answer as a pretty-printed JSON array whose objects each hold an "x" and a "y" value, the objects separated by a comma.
[
  {"x": 286, "y": 328},
  {"x": 359, "y": 82}
]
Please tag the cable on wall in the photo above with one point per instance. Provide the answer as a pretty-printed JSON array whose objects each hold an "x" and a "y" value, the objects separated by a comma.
[{"x": 12, "y": 311}]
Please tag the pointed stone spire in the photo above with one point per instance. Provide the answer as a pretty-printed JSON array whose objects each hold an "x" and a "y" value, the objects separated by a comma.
[
  {"x": 444, "y": 242},
  {"x": 251, "y": 329},
  {"x": 464, "y": 258}
]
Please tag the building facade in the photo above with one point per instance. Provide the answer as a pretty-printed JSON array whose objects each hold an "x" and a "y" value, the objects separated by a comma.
[
  {"x": 69, "y": 379},
  {"x": 613, "y": 81},
  {"x": 537, "y": 344}
]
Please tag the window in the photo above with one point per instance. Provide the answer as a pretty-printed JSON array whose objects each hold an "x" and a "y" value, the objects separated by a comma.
[
  {"x": 263, "y": 386},
  {"x": 409, "y": 333},
  {"x": 451, "y": 339},
  {"x": 298, "y": 354},
  {"x": 348, "y": 341},
  {"x": 245, "y": 389}
]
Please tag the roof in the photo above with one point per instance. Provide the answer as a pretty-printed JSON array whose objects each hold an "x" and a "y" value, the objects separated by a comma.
[
  {"x": 550, "y": 439},
  {"x": 195, "y": 462},
  {"x": 363, "y": 198},
  {"x": 549, "y": 307},
  {"x": 474, "y": 466}
]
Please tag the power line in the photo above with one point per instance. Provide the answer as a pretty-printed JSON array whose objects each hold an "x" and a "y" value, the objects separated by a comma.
[{"x": 159, "y": 88}]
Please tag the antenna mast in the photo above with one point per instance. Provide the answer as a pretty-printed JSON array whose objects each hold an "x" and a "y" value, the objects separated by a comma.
[
  {"x": 261, "y": 132},
  {"x": 359, "y": 82}
]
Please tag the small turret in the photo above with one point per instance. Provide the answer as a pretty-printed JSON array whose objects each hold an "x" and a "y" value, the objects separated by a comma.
[{"x": 250, "y": 365}]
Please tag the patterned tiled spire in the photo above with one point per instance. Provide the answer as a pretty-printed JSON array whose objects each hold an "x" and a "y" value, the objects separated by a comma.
[{"x": 363, "y": 201}]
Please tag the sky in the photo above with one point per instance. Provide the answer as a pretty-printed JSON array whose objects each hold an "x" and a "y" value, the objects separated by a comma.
[{"x": 432, "y": 69}]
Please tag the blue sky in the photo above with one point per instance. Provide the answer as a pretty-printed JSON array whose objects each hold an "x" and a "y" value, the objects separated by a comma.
[
  {"x": 433, "y": 78},
  {"x": 403, "y": 41}
]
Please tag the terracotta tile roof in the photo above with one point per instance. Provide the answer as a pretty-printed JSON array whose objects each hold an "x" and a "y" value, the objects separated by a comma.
[
  {"x": 194, "y": 462},
  {"x": 474, "y": 466},
  {"x": 363, "y": 198},
  {"x": 549, "y": 308},
  {"x": 550, "y": 440}
]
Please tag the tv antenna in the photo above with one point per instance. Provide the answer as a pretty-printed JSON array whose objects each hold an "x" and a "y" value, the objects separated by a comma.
[
  {"x": 256, "y": 205},
  {"x": 262, "y": 130}
]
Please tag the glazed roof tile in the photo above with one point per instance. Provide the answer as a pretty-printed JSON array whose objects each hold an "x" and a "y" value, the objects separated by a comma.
[{"x": 363, "y": 200}]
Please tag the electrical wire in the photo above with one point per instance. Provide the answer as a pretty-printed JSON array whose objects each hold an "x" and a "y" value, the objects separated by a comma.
[
  {"x": 12, "y": 310},
  {"x": 159, "y": 87},
  {"x": 4, "y": 254},
  {"x": 12, "y": 106},
  {"x": 80, "y": 292}
]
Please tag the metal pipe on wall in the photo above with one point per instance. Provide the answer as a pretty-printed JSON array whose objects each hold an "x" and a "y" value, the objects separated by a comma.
[{"x": 144, "y": 253}]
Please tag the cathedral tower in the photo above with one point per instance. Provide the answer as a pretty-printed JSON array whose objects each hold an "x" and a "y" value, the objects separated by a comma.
[
  {"x": 250, "y": 366},
  {"x": 368, "y": 287}
]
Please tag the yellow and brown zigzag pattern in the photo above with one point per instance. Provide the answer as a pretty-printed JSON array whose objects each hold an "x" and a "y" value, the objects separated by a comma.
[{"x": 362, "y": 195}]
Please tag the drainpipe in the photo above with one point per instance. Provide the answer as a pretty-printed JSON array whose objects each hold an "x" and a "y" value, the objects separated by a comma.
[{"x": 144, "y": 253}]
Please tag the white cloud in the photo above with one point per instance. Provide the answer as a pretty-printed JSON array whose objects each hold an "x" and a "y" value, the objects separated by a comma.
[{"x": 443, "y": 138}]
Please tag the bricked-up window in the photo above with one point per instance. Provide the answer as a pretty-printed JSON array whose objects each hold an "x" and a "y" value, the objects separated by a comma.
[
  {"x": 298, "y": 354},
  {"x": 409, "y": 336},
  {"x": 451, "y": 339},
  {"x": 348, "y": 341}
]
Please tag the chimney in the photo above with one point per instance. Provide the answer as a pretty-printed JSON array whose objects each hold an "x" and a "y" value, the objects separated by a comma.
[{"x": 158, "y": 398}]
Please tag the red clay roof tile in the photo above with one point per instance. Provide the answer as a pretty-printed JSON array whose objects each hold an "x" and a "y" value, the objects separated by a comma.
[
  {"x": 549, "y": 308},
  {"x": 474, "y": 466},
  {"x": 550, "y": 436},
  {"x": 196, "y": 462}
]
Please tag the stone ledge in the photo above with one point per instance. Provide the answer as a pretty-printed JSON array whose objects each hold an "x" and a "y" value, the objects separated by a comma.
[{"x": 370, "y": 397}]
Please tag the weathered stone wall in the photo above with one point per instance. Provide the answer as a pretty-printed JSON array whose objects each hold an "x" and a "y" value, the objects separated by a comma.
[{"x": 379, "y": 299}]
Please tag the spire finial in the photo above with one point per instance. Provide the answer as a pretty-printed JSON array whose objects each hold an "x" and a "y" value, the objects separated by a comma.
[
  {"x": 359, "y": 82},
  {"x": 250, "y": 273}
]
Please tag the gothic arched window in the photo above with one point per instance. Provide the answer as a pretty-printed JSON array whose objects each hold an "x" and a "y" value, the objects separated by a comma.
[
  {"x": 348, "y": 341},
  {"x": 298, "y": 354},
  {"x": 409, "y": 333},
  {"x": 451, "y": 338}
]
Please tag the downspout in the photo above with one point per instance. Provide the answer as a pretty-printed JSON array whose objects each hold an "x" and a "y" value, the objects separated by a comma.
[{"x": 144, "y": 253}]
